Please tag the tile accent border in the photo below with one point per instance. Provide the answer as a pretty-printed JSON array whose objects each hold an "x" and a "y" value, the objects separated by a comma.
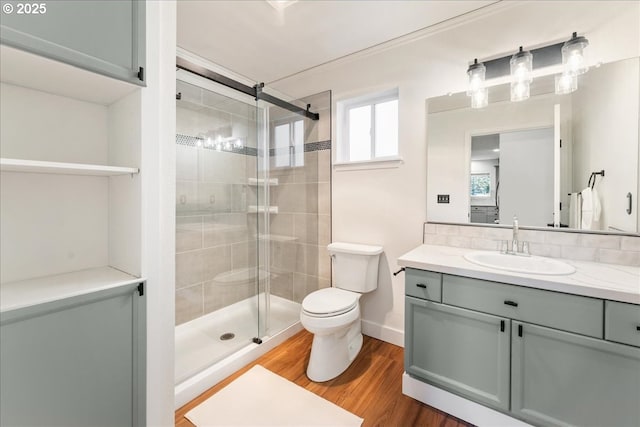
[
  {"x": 606, "y": 248},
  {"x": 193, "y": 141}
]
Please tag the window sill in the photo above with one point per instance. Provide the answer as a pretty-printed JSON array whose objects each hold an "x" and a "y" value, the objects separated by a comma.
[{"x": 381, "y": 163}]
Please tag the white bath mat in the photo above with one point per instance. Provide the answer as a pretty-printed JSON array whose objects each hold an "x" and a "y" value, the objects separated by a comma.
[{"x": 261, "y": 398}]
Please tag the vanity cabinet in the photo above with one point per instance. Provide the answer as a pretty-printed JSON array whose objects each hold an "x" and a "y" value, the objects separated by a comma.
[
  {"x": 545, "y": 357},
  {"x": 78, "y": 361},
  {"x": 460, "y": 350},
  {"x": 560, "y": 378},
  {"x": 106, "y": 37}
]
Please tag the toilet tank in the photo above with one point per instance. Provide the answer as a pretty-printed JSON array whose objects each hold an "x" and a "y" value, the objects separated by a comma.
[{"x": 355, "y": 266}]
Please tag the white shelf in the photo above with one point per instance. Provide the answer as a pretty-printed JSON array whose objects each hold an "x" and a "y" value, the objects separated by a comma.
[
  {"x": 261, "y": 209},
  {"x": 30, "y": 292},
  {"x": 261, "y": 181},
  {"x": 37, "y": 166},
  {"x": 28, "y": 70}
]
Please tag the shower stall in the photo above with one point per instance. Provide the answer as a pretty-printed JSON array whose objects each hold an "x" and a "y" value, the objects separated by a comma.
[{"x": 252, "y": 219}]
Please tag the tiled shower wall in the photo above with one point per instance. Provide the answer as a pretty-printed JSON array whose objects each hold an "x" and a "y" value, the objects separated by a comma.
[
  {"x": 301, "y": 230},
  {"x": 606, "y": 248},
  {"x": 216, "y": 231}
]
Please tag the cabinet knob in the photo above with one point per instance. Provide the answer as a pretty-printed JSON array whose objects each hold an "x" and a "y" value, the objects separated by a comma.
[
  {"x": 511, "y": 303},
  {"x": 638, "y": 328},
  {"x": 421, "y": 285}
]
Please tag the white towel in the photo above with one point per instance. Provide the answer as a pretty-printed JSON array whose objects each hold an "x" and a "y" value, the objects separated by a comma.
[
  {"x": 574, "y": 210},
  {"x": 597, "y": 207},
  {"x": 587, "y": 209},
  {"x": 591, "y": 209}
]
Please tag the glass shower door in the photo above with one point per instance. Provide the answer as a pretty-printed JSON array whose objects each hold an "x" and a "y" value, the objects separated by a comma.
[{"x": 219, "y": 205}]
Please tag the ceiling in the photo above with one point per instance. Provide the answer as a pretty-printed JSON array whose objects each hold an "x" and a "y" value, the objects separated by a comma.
[{"x": 264, "y": 44}]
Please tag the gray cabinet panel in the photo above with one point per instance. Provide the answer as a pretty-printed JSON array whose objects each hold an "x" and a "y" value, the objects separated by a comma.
[
  {"x": 423, "y": 284},
  {"x": 559, "y": 378},
  {"x": 102, "y": 36},
  {"x": 75, "y": 362},
  {"x": 573, "y": 313},
  {"x": 622, "y": 323},
  {"x": 459, "y": 350}
]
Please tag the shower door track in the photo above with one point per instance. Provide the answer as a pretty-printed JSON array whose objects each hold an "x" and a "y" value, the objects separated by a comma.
[{"x": 254, "y": 91}]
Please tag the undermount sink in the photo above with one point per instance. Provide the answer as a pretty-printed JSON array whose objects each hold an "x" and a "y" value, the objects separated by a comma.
[{"x": 520, "y": 264}]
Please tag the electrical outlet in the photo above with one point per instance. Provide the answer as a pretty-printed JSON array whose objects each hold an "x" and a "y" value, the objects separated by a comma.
[{"x": 443, "y": 198}]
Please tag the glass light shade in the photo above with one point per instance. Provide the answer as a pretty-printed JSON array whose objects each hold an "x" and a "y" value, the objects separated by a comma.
[
  {"x": 480, "y": 98},
  {"x": 521, "y": 66},
  {"x": 566, "y": 83},
  {"x": 476, "y": 73},
  {"x": 520, "y": 90},
  {"x": 573, "y": 58}
]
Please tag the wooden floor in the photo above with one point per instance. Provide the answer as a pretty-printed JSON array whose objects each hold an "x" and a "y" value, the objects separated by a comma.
[{"x": 370, "y": 388}]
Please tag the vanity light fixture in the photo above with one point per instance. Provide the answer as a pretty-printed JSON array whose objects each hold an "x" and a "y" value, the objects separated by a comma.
[
  {"x": 477, "y": 90},
  {"x": 521, "y": 65}
]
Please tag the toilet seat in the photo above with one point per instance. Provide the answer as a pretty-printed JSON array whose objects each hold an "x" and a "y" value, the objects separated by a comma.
[{"x": 329, "y": 302}]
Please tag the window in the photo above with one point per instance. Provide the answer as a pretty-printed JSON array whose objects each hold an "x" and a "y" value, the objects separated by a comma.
[
  {"x": 368, "y": 127},
  {"x": 289, "y": 144},
  {"x": 480, "y": 185}
]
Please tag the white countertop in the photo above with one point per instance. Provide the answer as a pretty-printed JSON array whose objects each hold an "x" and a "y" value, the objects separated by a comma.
[
  {"x": 26, "y": 293},
  {"x": 592, "y": 279}
]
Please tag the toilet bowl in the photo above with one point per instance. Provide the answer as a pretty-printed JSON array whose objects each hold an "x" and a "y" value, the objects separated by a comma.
[{"x": 333, "y": 314}]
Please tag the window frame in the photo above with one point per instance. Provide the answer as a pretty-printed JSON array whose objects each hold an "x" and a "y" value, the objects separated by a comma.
[
  {"x": 371, "y": 99},
  {"x": 292, "y": 145}
]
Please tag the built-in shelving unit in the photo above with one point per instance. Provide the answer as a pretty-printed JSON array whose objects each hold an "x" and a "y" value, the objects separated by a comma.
[{"x": 37, "y": 166}]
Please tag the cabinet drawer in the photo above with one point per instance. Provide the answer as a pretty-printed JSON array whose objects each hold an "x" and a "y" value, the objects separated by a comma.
[
  {"x": 423, "y": 284},
  {"x": 622, "y": 323},
  {"x": 572, "y": 313}
]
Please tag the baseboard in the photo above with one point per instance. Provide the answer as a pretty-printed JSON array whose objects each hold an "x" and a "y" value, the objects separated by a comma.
[
  {"x": 457, "y": 406},
  {"x": 383, "y": 333}
]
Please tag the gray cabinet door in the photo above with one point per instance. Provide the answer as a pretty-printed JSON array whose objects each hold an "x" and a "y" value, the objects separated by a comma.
[
  {"x": 103, "y": 36},
  {"x": 75, "y": 362},
  {"x": 560, "y": 378},
  {"x": 459, "y": 350}
]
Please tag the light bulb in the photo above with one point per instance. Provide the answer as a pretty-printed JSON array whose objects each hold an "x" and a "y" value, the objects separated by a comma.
[
  {"x": 520, "y": 91},
  {"x": 566, "y": 83},
  {"x": 480, "y": 98},
  {"x": 573, "y": 55},
  {"x": 476, "y": 73}
]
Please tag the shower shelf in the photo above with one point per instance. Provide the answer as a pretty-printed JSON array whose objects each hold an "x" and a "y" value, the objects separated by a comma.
[
  {"x": 261, "y": 209},
  {"x": 38, "y": 166},
  {"x": 259, "y": 181}
]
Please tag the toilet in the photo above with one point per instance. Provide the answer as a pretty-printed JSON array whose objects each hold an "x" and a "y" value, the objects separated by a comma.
[{"x": 333, "y": 314}]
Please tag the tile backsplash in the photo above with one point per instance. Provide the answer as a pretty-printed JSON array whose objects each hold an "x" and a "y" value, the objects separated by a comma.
[{"x": 606, "y": 248}]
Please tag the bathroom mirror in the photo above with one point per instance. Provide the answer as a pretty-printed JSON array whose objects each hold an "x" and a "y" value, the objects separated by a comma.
[{"x": 534, "y": 158}]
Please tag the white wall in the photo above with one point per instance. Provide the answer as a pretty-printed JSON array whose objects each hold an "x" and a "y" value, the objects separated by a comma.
[
  {"x": 387, "y": 206},
  {"x": 605, "y": 122}
]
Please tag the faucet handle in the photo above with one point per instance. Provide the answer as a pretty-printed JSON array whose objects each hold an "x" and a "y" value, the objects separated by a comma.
[{"x": 525, "y": 248}]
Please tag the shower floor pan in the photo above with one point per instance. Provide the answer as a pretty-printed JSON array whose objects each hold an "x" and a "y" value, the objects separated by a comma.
[{"x": 198, "y": 342}]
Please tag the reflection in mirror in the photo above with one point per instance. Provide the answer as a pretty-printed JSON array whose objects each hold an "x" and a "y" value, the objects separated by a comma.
[{"x": 535, "y": 158}]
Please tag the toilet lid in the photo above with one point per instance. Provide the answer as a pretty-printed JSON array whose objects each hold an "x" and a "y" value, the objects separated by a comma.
[{"x": 330, "y": 302}]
